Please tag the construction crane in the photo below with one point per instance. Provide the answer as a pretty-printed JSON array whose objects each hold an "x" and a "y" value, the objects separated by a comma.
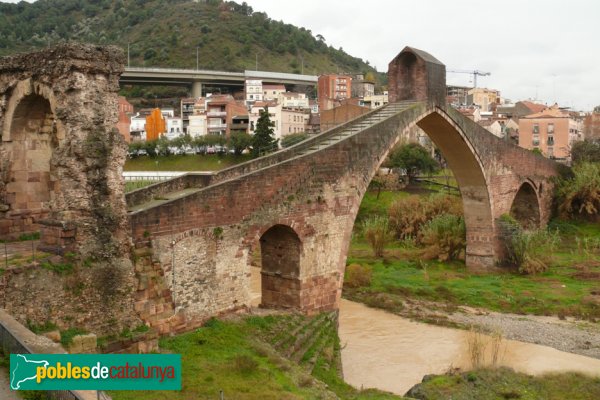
[{"x": 475, "y": 73}]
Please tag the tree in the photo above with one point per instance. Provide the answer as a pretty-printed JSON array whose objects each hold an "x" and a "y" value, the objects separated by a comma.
[
  {"x": 413, "y": 158},
  {"x": 240, "y": 141},
  {"x": 587, "y": 150},
  {"x": 263, "y": 140}
]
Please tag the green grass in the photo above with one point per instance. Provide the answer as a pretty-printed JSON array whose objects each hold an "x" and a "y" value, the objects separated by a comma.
[
  {"x": 228, "y": 356},
  {"x": 190, "y": 162},
  {"x": 504, "y": 383},
  {"x": 372, "y": 205},
  {"x": 564, "y": 289}
]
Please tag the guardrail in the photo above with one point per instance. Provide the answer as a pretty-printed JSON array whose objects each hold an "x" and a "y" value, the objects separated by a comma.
[{"x": 11, "y": 343}]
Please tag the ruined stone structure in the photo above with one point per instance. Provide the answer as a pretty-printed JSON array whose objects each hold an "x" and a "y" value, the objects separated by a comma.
[
  {"x": 61, "y": 161},
  {"x": 61, "y": 156},
  {"x": 297, "y": 207},
  {"x": 196, "y": 235}
]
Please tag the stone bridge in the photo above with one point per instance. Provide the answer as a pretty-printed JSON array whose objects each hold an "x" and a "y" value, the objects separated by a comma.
[{"x": 294, "y": 209}]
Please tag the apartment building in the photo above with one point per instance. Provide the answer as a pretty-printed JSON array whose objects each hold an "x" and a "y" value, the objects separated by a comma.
[
  {"x": 332, "y": 88},
  {"x": 552, "y": 130}
]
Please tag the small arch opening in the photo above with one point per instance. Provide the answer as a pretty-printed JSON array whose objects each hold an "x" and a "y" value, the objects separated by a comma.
[
  {"x": 525, "y": 207},
  {"x": 280, "y": 252},
  {"x": 30, "y": 186}
]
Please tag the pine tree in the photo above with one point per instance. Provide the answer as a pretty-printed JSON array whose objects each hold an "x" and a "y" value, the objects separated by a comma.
[{"x": 263, "y": 140}]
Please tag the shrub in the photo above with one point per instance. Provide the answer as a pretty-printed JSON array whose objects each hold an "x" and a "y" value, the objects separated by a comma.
[
  {"x": 358, "y": 275},
  {"x": 375, "y": 231},
  {"x": 408, "y": 216},
  {"x": 445, "y": 237},
  {"x": 580, "y": 194},
  {"x": 530, "y": 250}
]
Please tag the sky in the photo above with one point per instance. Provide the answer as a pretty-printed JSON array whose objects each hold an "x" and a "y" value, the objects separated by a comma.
[
  {"x": 544, "y": 49},
  {"x": 536, "y": 49}
]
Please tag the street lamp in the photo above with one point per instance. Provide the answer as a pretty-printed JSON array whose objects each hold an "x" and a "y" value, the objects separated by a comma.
[{"x": 197, "y": 48}]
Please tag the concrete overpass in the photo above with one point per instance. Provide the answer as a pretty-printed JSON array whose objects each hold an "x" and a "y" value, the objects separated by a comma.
[{"x": 196, "y": 78}]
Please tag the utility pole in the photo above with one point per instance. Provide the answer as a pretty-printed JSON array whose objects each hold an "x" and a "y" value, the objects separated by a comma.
[
  {"x": 197, "y": 59},
  {"x": 256, "y": 65},
  {"x": 127, "y": 54}
]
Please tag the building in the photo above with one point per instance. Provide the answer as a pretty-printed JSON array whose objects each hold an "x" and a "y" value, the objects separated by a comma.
[
  {"x": 360, "y": 87},
  {"x": 174, "y": 127},
  {"x": 493, "y": 126},
  {"x": 272, "y": 92},
  {"x": 472, "y": 113},
  {"x": 220, "y": 110},
  {"x": 294, "y": 100},
  {"x": 591, "y": 126},
  {"x": 253, "y": 89},
  {"x": 333, "y": 88},
  {"x": 375, "y": 100},
  {"x": 457, "y": 96},
  {"x": 552, "y": 130},
  {"x": 125, "y": 113},
  {"x": 341, "y": 114},
  {"x": 314, "y": 106},
  {"x": 519, "y": 109},
  {"x": 483, "y": 98},
  {"x": 197, "y": 125},
  {"x": 275, "y": 111},
  {"x": 155, "y": 125},
  {"x": 293, "y": 120},
  {"x": 187, "y": 109}
]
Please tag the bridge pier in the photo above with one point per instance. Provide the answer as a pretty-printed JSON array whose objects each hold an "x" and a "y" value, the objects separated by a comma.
[{"x": 196, "y": 89}]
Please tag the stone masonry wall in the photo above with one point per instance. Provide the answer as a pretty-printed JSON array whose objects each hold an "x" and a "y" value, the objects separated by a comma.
[{"x": 77, "y": 86}]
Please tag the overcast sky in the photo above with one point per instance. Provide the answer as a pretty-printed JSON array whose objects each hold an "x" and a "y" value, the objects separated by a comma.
[{"x": 544, "y": 48}]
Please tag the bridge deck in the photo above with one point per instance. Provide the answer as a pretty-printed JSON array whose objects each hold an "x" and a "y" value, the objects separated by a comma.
[
  {"x": 321, "y": 141},
  {"x": 157, "y": 201}
]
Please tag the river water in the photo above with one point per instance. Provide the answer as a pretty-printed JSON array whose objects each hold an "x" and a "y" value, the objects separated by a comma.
[{"x": 384, "y": 351}]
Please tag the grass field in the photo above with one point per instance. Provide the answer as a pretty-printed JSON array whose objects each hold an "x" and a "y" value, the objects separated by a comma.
[
  {"x": 570, "y": 286},
  {"x": 229, "y": 357},
  {"x": 190, "y": 162},
  {"x": 504, "y": 383}
]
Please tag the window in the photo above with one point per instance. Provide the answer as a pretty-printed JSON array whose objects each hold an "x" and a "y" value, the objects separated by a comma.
[
  {"x": 251, "y": 96},
  {"x": 550, "y": 129},
  {"x": 251, "y": 125},
  {"x": 536, "y": 128},
  {"x": 550, "y": 140},
  {"x": 551, "y": 152},
  {"x": 536, "y": 141}
]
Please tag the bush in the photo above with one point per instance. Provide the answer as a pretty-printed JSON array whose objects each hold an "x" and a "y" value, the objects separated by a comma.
[
  {"x": 358, "y": 275},
  {"x": 375, "y": 231},
  {"x": 580, "y": 194},
  {"x": 530, "y": 250},
  {"x": 445, "y": 237},
  {"x": 408, "y": 216}
]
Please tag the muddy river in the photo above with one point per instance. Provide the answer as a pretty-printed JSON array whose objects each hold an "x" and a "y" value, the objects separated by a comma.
[
  {"x": 388, "y": 352},
  {"x": 391, "y": 353}
]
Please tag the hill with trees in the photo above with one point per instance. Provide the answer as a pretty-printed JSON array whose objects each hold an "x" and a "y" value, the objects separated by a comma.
[{"x": 168, "y": 33}]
